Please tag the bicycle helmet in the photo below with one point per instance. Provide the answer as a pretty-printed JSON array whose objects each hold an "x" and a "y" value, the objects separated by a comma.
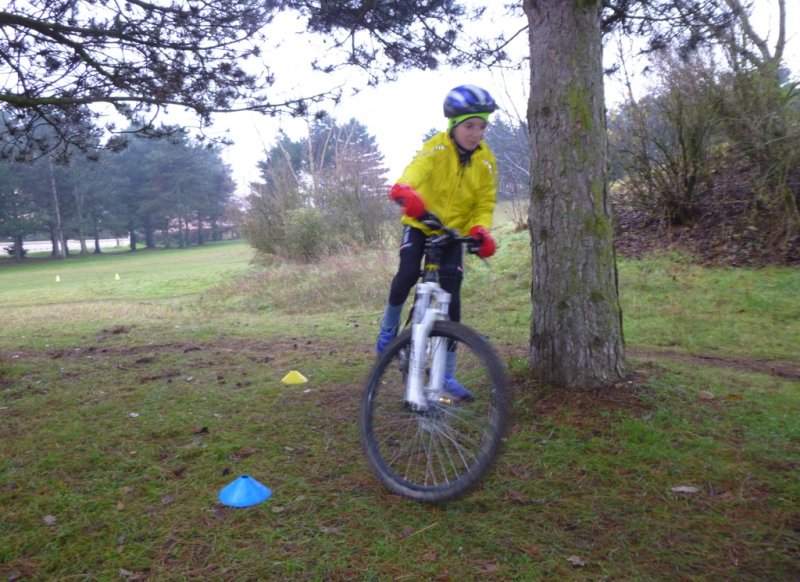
[{"x": 466, "y": 100}]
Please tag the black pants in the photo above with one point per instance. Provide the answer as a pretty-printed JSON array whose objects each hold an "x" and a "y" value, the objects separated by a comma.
[{"x": 412, "y": 248}]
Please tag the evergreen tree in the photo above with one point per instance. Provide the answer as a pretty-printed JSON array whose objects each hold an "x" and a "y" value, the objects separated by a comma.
[{"x": 17, "y": 210}]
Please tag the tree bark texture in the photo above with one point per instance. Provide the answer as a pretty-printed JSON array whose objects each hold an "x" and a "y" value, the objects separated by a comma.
[{"x": 576, "y": 328}]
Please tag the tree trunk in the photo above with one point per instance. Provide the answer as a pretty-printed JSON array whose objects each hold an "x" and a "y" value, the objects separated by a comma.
[
  {"x": 55, "y": 246},
  {"x": 79, "y": 200},
  {"x": 133, "y": 238},
  {"x": 59, "y": 241},
  {"x": 201, "y": 239},
  {"x": 19, "y": 251},
  {"x": 166, "y": 234},
  {"x": 149, "y": 232},
  {"x": 576, "y": 328}
]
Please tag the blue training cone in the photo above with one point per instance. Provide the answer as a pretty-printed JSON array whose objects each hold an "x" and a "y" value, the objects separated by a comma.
[{"x": 244, "y": 492}]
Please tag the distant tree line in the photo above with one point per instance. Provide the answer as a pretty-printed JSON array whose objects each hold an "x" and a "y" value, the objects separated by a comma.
[
  {"x": 316, "y": 194},
  {"x": 169, "y": 192}
]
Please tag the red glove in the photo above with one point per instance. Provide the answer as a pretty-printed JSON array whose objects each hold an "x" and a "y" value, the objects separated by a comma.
[
  {"x": 406, "y": 197},
  {"x": 486, "y": 244}
]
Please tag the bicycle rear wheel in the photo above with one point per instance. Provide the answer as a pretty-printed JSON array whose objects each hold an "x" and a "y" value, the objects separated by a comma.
[{"x": 438, "y": 454}]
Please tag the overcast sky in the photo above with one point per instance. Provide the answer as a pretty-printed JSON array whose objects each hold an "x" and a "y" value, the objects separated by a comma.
[{"x": 400, "y": 113}]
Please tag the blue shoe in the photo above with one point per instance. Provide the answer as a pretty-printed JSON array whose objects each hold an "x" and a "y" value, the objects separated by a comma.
[
  {"x": 385, "y": 337},
  {"x": 455, "y": 390}
]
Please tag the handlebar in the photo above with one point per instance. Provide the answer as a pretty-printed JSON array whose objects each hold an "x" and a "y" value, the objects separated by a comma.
[{"x": 430, "y": 220}]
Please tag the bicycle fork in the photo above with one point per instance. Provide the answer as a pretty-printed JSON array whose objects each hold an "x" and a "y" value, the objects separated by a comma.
[{"x": 433, "y": 304}]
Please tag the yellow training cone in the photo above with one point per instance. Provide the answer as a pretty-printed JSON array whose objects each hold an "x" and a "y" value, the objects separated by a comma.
[
  {"x": 58, "y": 279},
  {"x": 294, "y": 377}
]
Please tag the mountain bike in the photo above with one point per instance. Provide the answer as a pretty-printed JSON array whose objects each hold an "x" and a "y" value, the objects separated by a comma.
[{"x": 421, "y": 442}]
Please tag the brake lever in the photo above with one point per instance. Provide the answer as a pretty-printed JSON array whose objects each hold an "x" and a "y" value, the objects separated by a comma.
[{"x": 472, "y": 248}]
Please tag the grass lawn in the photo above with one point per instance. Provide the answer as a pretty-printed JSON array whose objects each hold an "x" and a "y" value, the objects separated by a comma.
[{"x": 127, "y": 404}]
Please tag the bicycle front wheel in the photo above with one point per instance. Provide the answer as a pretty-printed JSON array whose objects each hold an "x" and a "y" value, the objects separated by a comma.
[{"x": 440, "y": 453}]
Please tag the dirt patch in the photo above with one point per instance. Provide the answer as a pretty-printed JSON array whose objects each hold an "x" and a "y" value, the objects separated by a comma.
[
  {"x": 261, "y": 350},
  {"x": 781, "y": 369},
  {"x": 112, "y": 331},
  {"x": 622, "y": 396}
]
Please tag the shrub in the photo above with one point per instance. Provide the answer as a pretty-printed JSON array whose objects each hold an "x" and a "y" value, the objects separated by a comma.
[{"x": 307, "y": 235}]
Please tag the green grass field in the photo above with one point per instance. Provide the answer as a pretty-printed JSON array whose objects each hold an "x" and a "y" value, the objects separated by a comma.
[{"x": 127, "y": 403}]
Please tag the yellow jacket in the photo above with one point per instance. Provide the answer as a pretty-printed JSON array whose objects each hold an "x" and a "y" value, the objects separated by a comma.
[{"x": 462, "y": 196}]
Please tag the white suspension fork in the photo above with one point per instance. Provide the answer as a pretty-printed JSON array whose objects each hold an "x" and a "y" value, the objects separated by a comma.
[{"x": 434, "y": 304}]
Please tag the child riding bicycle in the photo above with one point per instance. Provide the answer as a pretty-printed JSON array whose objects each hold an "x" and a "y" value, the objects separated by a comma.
[{"x": 454, "y": 176}]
